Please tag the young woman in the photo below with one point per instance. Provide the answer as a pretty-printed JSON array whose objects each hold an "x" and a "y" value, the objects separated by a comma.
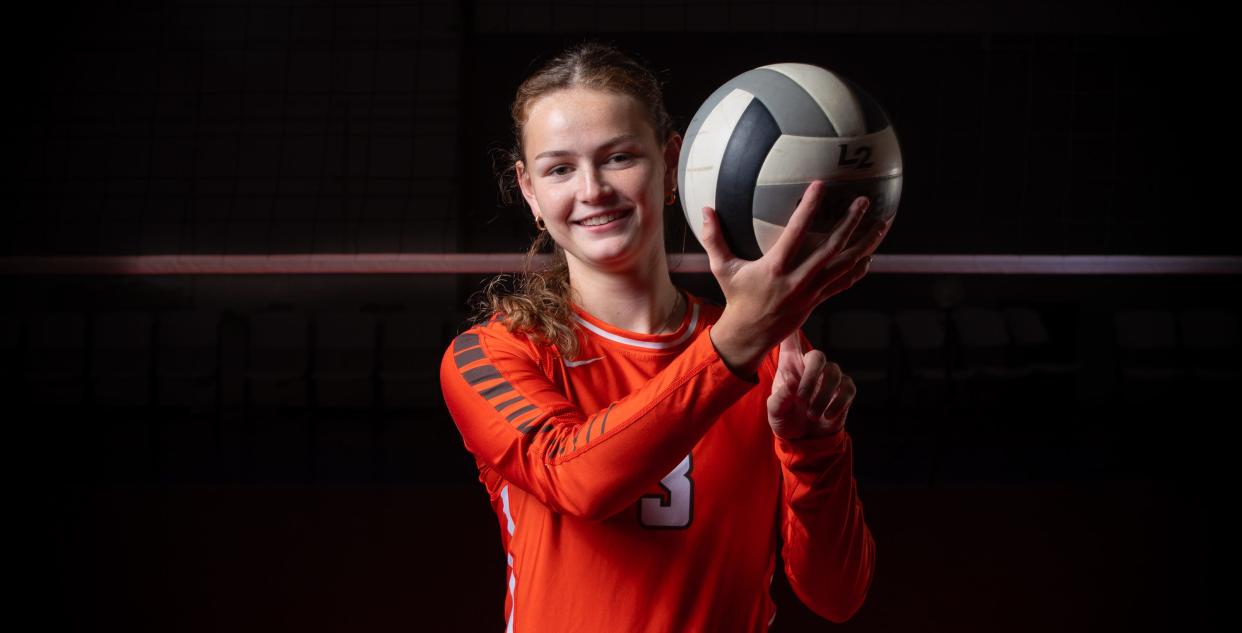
[{"x": 645, "y": 450}]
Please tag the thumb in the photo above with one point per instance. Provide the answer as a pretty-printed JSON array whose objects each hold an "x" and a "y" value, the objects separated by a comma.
[
  {"x": 718, "y": 252},
  {"x": 782, "y": 399},
  {"x": 791, "y": 347}
]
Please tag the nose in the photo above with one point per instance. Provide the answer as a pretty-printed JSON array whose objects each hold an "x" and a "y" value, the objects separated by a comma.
[{"x": 594, "y": 187}]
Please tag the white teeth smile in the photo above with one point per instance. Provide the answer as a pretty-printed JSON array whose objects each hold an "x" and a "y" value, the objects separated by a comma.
[{"x": 603, "y": 219}]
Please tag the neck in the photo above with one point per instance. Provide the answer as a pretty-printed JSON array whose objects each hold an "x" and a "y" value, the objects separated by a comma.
[{"x": 644, "y": 301}]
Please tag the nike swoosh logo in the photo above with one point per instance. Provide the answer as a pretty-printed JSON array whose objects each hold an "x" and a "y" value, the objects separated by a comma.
[{"x": 575, "y": 363}]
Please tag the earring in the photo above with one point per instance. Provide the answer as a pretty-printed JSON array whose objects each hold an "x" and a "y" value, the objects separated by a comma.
[
  {"x": 539, "y": 223},
  {"x": 671, "y": 198}
]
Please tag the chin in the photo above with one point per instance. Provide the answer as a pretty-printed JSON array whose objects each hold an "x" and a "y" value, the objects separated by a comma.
[{"x": 608, "y": 260}]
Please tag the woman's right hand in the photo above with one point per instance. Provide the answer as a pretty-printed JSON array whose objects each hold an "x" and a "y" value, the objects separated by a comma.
[{"x": 768, "y": 298}]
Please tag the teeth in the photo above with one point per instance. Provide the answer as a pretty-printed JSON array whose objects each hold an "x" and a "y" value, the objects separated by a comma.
[{"x": 603, "y": 219}]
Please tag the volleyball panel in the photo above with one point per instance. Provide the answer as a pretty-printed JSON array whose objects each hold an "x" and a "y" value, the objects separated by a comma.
[
  {"x": 701, "y": 157},
  {"x": 774, "y": 204},
  {"x": 804, "y": 158},
  {"x": 834, "y": 96},
  {"x": 749, "y": 147}
]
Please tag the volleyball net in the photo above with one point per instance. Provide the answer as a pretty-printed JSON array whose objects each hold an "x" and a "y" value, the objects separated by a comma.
[{"x": 467, "y": 263}]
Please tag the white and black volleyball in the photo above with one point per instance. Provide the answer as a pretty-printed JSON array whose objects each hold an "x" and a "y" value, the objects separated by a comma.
[{"x": 759, "y": 140}]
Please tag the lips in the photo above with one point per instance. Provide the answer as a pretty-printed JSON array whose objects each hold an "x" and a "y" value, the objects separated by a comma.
[{"x": 620, "y": 213}]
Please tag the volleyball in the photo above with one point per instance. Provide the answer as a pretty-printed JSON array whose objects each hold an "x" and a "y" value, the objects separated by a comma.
[{"x": 760, "y": 139}]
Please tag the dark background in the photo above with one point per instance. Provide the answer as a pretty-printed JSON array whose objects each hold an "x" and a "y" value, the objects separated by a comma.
[{"x": 209, "y": 491}]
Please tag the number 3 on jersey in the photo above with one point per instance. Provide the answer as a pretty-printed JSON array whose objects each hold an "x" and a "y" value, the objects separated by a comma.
[{"x": 654, "y": 512}]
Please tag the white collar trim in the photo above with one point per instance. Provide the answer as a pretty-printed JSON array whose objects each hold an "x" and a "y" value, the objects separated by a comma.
[{"x": 694, "y": 321}]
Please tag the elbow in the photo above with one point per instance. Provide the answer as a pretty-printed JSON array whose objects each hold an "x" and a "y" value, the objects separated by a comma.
[
  {"x": 589, "y": 499},
  {"x": 592, "y": 515},
  {"x": 593, "y": 505},
  {"x": 844, "y": 603},
  {"x": 848, "y": 609},
  {"x": 843, "y": 609},
  {"x": 598, "y": 509},
  {"x": 589, "y": 513},
  {"x": 584, "y": 508}
]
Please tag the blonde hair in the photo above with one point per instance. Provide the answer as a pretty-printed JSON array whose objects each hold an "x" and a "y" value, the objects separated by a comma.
[{"x": 540, "y": 303}]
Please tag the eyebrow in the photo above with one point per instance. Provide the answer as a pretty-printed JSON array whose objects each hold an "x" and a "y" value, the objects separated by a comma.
[{"x": 612, "y": 141}]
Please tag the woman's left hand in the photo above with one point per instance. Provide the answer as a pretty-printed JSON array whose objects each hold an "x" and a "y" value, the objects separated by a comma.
[{"x": 810, "y": 396}]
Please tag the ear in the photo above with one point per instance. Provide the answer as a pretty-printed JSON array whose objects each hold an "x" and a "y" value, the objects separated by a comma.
[
  {"x": 672, "y": 154},
  {"x": 528, "y": 191}
]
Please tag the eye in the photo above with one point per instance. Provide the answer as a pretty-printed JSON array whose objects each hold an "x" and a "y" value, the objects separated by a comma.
[{"x": 624, "y": 157}]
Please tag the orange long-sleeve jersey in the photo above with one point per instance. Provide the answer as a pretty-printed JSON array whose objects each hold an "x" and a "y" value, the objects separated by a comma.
[{"x": 639, "y": 487}]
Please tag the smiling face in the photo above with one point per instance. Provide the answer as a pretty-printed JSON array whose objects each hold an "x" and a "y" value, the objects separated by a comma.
[{"x": 588, "y": 154}]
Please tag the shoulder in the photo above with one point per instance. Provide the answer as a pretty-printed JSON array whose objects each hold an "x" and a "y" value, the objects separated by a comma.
[
  {"x": 489, "y": 351},
  {"x": 491, "y": 338}
]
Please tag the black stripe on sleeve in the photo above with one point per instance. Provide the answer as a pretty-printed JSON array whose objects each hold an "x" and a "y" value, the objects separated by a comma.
[
  {"x": 516, "y": 414},
  {"x": 504, "y": 405},
  {"x": 465, "y": 341},
  {"x": 468, "y": 356},
  {"x": 526, "y": 427},
  {"x": 603, "y": 422},
  {"x": 496, "y": 390},
  {"x": 481, "y": 373}
]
